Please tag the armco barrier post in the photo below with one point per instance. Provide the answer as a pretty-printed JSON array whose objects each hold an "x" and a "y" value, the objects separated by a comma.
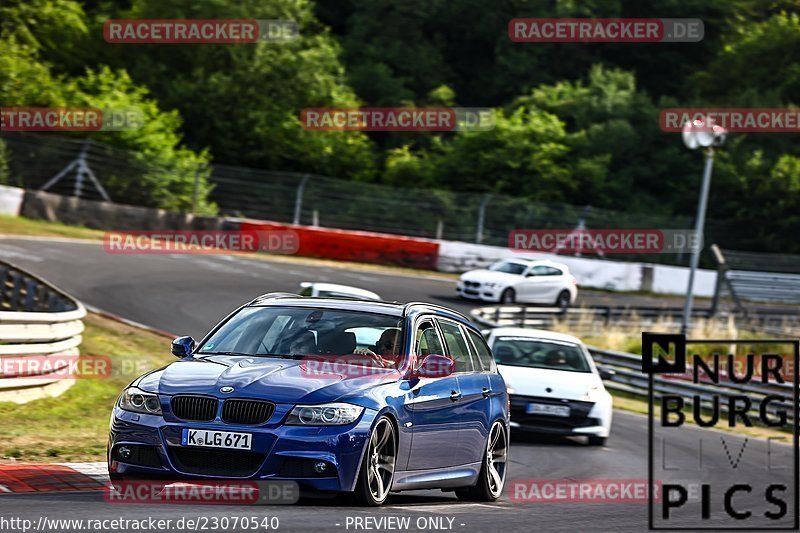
[
  {"x": 482, "y": 218},
  {"x": 298, "y": 201}
]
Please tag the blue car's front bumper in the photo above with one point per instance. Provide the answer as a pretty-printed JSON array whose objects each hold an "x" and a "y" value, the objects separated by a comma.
[{"x": 278, "y": 452}]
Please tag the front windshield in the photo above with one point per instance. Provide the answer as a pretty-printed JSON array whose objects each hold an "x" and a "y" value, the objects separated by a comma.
[
  {"x": 537, "y": 353},
  {"x": 508, "y": 267},
  {"x": 310, "y": 332}
]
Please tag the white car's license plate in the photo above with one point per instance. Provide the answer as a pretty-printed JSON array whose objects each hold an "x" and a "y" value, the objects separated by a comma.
[
  {"x": 547, "y": 409},
  {"x": 217, "y": 439}
]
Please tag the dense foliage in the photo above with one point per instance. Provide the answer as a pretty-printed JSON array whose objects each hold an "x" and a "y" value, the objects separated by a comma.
[{"x": 576, "y": 123}]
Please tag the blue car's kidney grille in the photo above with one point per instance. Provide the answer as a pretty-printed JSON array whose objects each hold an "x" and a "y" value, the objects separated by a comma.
[
  {"x": 249, "y": 412},
  {"x": 199, "y": 408}
]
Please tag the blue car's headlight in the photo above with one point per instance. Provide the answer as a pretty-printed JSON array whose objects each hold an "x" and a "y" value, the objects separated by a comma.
[
  {"x": 329, "y": 414},
  {"x": 138, "y": 401}
]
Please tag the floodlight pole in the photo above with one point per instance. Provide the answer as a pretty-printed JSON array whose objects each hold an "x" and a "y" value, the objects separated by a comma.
[{"x": 697, "y": 243}]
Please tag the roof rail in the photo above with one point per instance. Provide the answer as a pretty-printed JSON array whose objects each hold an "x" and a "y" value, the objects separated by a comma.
[
  {"x": 436, "y": 306},
  {"x": 275, "y": 296}
]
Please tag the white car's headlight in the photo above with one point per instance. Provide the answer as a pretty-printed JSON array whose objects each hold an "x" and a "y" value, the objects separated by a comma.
[
  {"x": 329, "y": 414},
  {"x": 136, "y": 400}
]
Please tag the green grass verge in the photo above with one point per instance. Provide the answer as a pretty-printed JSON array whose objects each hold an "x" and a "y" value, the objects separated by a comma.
[
  {"x": 29, "y": 227},
  {"x": 74, "y": 426}
]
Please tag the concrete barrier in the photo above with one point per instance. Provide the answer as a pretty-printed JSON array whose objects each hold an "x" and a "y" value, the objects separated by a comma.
[
  {"x": 361, "y": 246},
  {"x": 11, "y": 200},
  {"x": 111, "y": 216},
  {"x": 40, "y": 322},
  {"x": 590, "y": 272}
]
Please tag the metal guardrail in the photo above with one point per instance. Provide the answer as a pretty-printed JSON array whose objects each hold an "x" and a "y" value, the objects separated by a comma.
[
  {"x": 585, "y": 320},
  {"x": 36, "y": 320},
  {"x": 629, "y": 377},
  {"x": 755, "y": 277}
]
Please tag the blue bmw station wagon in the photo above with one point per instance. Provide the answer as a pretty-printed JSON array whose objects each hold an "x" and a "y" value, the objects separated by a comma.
[{"x": 350, "y": 396}]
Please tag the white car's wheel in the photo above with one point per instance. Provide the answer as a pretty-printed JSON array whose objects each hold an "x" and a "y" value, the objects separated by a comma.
[
  {"x": 509, "y": 296},
  {"x": 564, "y": 299}
]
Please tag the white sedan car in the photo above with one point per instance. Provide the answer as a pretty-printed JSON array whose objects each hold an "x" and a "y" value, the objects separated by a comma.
[
  {"x": 553, "y": 384},
  {"x": 333, "y": 290},
  {"x": 521, "y": 281}
]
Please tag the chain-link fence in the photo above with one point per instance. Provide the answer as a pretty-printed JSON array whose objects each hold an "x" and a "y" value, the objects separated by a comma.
[
  {"x": 318, "y": 200},
  {"x": 97, "y": 171}
]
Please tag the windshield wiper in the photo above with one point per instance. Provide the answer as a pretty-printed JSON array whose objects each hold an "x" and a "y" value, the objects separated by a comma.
[
  {"x": 276, "y": 355},
  {"x": 224, "y": 353}
]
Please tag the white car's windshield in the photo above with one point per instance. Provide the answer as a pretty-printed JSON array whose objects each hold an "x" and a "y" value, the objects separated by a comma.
[
  {"x": 538, "y": 353},
  {"x": 508, "y": 267}
]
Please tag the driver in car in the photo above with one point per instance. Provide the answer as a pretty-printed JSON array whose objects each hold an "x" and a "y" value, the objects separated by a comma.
[
  {"x": 557, "y": 359},
  {"x": 386, "y": 350},
  {"x": 303, "y": 344}
]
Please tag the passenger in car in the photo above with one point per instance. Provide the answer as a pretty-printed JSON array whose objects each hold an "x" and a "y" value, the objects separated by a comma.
[{"x": 387, "y": 349}]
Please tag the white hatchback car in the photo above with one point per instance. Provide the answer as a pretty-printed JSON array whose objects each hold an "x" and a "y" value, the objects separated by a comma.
[
  {"x": 553, "y": 384},
  {"x": 521, "y": 281},
  {"x": 334, "y": 290}
]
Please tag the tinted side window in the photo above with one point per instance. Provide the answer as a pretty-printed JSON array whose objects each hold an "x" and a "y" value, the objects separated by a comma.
[
  {"x": 484, "y": 354},
  {"x": 457, "y": 346},
  {"x": 427, "y": 340}
]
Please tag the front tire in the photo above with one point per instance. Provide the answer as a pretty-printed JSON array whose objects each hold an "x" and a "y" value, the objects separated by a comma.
[
  {"x": 377, "y": 468},
  {"x": 594, "y": 440},
  {"x": 564, "y": 300},
  {"x": 508, "y": 296},
  {"x": 493, "y": 469}
]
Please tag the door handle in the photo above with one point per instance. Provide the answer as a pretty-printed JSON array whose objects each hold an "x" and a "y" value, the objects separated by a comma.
[
  {"x": 455, "y": 396},
  {"x": 485, "y": 392}
]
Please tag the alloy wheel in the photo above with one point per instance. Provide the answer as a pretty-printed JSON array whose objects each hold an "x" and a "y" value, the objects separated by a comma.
[
  {"x": 508, "y": 296},
  {"x": 496, "y": 454},
  {"x": 381, "y": 456}
]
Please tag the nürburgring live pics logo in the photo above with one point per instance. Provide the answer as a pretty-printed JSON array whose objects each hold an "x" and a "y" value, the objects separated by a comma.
[{"x": 722, "y": 480}]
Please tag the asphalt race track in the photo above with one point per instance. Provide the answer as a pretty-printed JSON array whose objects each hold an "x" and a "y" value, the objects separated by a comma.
[{"x": 188, "y": 294}]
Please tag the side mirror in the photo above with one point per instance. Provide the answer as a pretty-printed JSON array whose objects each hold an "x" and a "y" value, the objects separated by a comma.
[
  {"x": 606, "y": 374},
  {"x": 435, "y": 366},
  {"x": 183, "y": 346}
]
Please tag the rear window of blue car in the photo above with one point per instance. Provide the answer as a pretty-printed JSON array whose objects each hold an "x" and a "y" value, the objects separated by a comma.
[{"x": 303, "y": 331}]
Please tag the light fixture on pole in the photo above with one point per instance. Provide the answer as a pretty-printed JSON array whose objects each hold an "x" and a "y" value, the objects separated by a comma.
[{"x": 700, "y": 134}]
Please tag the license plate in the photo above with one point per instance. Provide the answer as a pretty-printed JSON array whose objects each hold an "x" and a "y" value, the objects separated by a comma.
[
  {"x": 217, "y": 439},
  {"x": 547, "y": 409}
]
